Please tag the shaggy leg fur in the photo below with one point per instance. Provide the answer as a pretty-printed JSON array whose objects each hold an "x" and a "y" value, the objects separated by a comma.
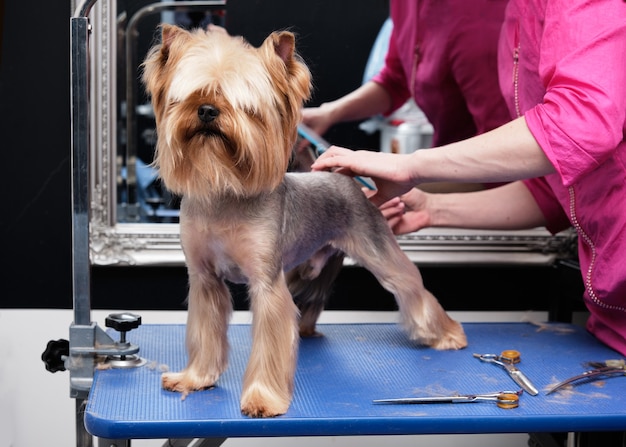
[
  {"x": 268, "y": 381},
  {"x": 206, "y": 338},
  {"x": 421, "y": 314}
]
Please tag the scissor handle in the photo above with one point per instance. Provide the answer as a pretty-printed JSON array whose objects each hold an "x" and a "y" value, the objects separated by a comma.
[
  {"x": 510, "y": 356},
  {"x": 507, "y": 401}
]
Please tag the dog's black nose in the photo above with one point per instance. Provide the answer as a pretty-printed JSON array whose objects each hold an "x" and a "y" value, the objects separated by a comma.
[{"x": 207, "y": 113}]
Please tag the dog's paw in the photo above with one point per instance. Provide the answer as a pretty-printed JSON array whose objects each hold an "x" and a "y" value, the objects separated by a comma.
[
  {"x": 447, "y": 336},
  {"x": 185, "y": 382},
  {"x": 257, "y": 404},
  {"x": 308, "y": 330},
  {"x": 452, "y": 338},
  {"x": 308, "y": 333}
]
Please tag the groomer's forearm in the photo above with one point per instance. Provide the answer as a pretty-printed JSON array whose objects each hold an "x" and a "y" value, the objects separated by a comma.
[
  {"x": 507, "y": 153},
  {"x": 508, "y": 207},
  {"x": 368, "y": 100}
]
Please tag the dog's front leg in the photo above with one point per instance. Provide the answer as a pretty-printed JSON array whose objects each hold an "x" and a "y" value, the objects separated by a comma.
[
  {"x": 269, "y": 378},
  {"x": 206, "y": 338}
]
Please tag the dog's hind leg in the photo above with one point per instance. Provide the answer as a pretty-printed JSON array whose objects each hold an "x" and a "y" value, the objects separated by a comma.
[
  {"x": 421, "y": 314},
  {"x": 206, "y": 337},
  {"x": 269, "y": 377},
  {"x": 310, "y": 285}
]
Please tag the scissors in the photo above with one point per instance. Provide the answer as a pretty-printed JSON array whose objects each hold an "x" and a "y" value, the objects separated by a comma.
[
  {"x": 608, "y": 368},
  {"x": 507, "y": 360},
  {"x": 503, "y": 399}
]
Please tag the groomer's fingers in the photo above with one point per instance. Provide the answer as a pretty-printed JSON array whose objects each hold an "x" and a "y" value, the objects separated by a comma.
[
  {"x": 333, "y": 157},
  {"x": 393, "y": 203},
  {"x": 395, "y": 212},
  {"x": 369, "y": 193}
]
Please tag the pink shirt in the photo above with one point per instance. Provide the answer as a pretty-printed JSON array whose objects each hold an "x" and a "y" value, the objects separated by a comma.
[
  {"x": 571, "y": 85},
  {"x": 449, "y": 49}
]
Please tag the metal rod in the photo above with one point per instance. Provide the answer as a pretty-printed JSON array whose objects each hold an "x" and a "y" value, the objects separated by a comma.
[
  {"x": 81, "y": 268},
  {"x": 79, "y": 41},
  {"x": 83, "y": 438}
]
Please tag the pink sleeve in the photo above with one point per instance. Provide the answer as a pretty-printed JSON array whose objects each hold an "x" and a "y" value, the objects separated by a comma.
[
  {"x": 392, "y": 79},
  {"x": 556, "y": 219},
  {"x": 582, "y": 67}
]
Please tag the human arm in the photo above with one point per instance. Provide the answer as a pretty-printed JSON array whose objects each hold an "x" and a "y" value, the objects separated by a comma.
[
  {"x": 504, "y": 154},
  {"x": 368, "y": 100},
  {"x": 508, "y": 207}
]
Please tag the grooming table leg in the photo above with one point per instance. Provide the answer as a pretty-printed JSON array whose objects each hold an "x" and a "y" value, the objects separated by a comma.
[
  {"x": 83, "y": 438},
  {"x": 206, "y": 442},
  {"x": 210, "y": 442},
  {"x": 102, "y": 442}
]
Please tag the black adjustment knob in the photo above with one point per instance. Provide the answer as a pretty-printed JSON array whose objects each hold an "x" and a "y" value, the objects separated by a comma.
[
  {"x": 123, "y": 322},
  {"x": 54, "y": 353}
]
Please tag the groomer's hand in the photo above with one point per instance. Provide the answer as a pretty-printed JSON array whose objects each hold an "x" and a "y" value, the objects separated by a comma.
[
  {"x": 389, "y": 171},
  {"x": 407, "y": 213},
  {"x": 317, "y": 119}
]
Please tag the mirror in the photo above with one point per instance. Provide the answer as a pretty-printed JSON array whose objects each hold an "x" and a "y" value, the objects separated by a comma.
[{"x": 133, "y": 221}]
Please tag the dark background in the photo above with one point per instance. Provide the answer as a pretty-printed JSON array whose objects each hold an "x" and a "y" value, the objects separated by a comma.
[{"x": 334, "y": 37}]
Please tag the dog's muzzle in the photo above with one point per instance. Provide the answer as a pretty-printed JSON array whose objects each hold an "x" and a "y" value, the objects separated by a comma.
[{"x": 207, "y": 113}]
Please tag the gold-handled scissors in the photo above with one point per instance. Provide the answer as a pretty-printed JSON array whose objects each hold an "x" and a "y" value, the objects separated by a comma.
[
  {"x": 507, "y": 360},
  {"x": 503, "y": 399},
  {"x": 609, "y": 368}
]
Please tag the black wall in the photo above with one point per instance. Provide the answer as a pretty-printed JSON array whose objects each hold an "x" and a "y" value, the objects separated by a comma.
[
  {"x": 35, "y": 141},
  {"x": 35, "y": 224},
  {"x": 334, "y": 37}
]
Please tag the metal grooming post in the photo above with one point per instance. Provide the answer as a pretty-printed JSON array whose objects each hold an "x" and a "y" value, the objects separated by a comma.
[
  {"x": 81, "y": 272},
  {"x": 87, "y": 340},
  {"x": 88, "y": 343}
]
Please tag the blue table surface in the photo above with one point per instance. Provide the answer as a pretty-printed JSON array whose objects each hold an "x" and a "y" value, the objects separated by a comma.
[{"x": 339, "y": 374}]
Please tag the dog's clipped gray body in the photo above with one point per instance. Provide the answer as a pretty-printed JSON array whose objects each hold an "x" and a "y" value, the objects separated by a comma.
[
  {"x": 227, "y": 116},
  {"x": 323, "y": 208}
]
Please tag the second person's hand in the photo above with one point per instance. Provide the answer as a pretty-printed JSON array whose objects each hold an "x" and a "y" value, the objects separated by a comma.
[{"x": 408, "y": 213}]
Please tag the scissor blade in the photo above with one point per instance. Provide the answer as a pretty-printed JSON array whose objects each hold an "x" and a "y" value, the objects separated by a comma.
[
  {"x": 566, "y": 382},
  {"x": 588, "y": 375},
  {"x": 521, "y": 379},
  {"x": 427, "y": 400}
]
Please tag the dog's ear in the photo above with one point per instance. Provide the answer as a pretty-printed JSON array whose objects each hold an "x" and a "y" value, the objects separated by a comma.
[
  {"x": 281, "y": 44},
  {"x": 168, "y": 34},
  {"x": 284, "y": 45},
  {"x": 155, "y": 61}
]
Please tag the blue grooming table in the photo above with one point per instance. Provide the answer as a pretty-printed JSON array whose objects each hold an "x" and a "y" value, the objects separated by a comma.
[{"x": 339, "y": 375}]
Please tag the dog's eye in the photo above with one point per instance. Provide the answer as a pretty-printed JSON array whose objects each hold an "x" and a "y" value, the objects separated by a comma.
[{"x": 254, "y": 115}]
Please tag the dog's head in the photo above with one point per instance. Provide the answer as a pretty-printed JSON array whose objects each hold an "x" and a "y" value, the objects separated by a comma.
[{"x": 226, "y": 112}]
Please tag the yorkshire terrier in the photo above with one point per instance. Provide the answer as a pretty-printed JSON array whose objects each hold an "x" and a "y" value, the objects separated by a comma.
[{"x": 227, "y": 116}]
